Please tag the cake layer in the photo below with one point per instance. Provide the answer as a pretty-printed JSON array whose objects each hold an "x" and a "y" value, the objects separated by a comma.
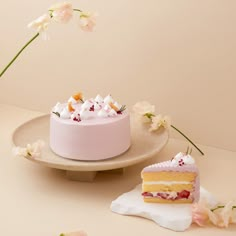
[
  {"x": 169, "y": 188},
  {"x": 169, "y": 176},
  {"x": 173, "y": 181},
  {"x": 159, "y": 200}
]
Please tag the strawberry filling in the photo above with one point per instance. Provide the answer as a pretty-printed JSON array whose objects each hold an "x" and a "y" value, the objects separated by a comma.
[
  {"x": 179, "y": 195},
  {"x": 147, "y": 194}
]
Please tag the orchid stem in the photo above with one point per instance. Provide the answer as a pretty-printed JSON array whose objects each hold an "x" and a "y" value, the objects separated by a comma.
[
  {"x": 77, "y": 10},
  {"x": 22, "y": 49},
  {"x": 188, "y": 139},
  {"x": 218, "y": 207}
]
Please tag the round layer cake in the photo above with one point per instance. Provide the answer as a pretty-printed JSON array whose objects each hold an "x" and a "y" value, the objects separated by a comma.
[{"x": 93, "y": 129}]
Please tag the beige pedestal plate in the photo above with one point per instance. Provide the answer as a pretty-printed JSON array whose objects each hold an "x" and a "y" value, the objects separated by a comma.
[{"x": 144, "y": 145}]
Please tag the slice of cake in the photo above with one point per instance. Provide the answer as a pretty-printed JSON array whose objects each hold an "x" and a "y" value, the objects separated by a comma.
[
  {"x": 174, "y": 181},
  {"x": 89, "y": 129}
]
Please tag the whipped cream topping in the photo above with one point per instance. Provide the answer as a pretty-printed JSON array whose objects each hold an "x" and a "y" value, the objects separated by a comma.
[
  {"x": 117, "y": 105},
  {"x": 166, "y": 182},
  {"x": 65, "y": 114},
  {"x": 103, "y": 113},
  {"x": 78, "y": 109},
  {"x": 85, "y": 114},
  {"x": 108, "y": 99},
  {"x": 112, "y": 113},
  {"x": 86, "y": 105},
  {"x": 107, "y": 107},
  {"x": 97, "y": 106},
  {"x": 98, "y": 99},
  {"x": 57, "y": 108},
  {"x": 182, "y": 159}
]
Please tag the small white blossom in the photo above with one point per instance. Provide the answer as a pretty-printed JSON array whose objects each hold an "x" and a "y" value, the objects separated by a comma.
[
  {"x": 227, "y": 214},
  {"x": 159, "y": 121},
  {"x": 144, "y": 119},
  {"x": 31, "y": 150},
  {"x": 41, "y": 23},
  {"x": 143, "y": 108},
  {"x": 18, "y": 151}
]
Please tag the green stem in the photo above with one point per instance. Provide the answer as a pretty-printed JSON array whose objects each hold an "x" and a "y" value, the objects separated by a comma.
[
  {"x": 77, "y": 10},
  {"x": 9, "y": 64},
  {"x": 218, "y": 207},
  {"x": 187, "y": 139}
]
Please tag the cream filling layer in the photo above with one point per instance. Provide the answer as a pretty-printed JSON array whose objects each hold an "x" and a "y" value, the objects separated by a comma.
[{"x": 166, "y": 182}]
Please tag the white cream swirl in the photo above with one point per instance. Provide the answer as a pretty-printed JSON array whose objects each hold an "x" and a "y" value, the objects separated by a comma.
[{"x": 181, "y": 159}]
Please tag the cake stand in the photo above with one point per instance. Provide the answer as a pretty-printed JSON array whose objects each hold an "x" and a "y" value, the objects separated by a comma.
[{"x": 144, "y": 145}]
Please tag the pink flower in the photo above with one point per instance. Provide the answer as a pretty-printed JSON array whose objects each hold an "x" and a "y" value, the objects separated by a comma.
[
  {"x": 220, "y": 216},
  {"x": 87, "y": 21},
  {"x": 62, "y": 12},
  {"x": 200, "y": 214}
]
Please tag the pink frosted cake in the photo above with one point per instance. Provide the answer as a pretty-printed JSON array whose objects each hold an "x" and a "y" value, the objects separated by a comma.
[
  {"x": 93, "y": 129},
  {"x": 174, "y": 181}
]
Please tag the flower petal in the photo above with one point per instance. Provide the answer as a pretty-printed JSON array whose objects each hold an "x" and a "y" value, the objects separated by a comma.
[{"x": 143, "y": 107}]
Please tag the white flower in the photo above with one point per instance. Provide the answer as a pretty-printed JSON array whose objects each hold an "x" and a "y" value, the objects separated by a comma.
[
  {"x": 226, "y": 214},
  {"x": 233, "y": 216},
  {"x": 142, "y": 108},
  {"x": 62, "y": 12},
  {"x": 160, "y": 121},
  {"x": 18, "y": 151},
  {"x": 87, "y": 21},
  {"x": 31, "y": 150},
  {"x": 41, "y": 23}
]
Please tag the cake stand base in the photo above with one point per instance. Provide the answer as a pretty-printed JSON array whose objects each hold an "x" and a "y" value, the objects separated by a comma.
[
  {"x": 88, "y": 176},
  {"x": 144, "y": 145}
]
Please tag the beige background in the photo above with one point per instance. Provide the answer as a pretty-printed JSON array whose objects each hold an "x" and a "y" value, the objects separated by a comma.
[{"x": 179, "y": 55}]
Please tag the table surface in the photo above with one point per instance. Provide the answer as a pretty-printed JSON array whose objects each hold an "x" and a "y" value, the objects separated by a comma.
[{"x": 39, "y": 201}]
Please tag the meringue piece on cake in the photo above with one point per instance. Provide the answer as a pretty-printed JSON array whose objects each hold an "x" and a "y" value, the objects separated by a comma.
[
  {"x": 85, "y": 114},
  {"x": 72, "y": 100},
  {"x": 107, "y": 107},
  {"x": 65, "y": 114},
  {"x": 98, "y": 98},
  {"x": 57, "y": 108},
  {"x": 102, "y": 113},
  {"x": 75, "y": 116},
  {"x": 96, "y": 106},
  {"x": 112, "y": 112},
  {"x": 86, "y": 105},
  {"x": 188, "y": 160},
  {"x": 182, "y": 158},
  {"x": 108, "y": 99},
  {"x": 117, "y": 105}
]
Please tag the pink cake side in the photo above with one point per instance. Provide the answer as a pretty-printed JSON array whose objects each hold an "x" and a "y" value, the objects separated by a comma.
[{"x": 94, "y": 139}]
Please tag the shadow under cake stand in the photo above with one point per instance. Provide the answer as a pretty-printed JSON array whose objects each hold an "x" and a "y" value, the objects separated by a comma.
[{"x": 144, "y": 145}]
